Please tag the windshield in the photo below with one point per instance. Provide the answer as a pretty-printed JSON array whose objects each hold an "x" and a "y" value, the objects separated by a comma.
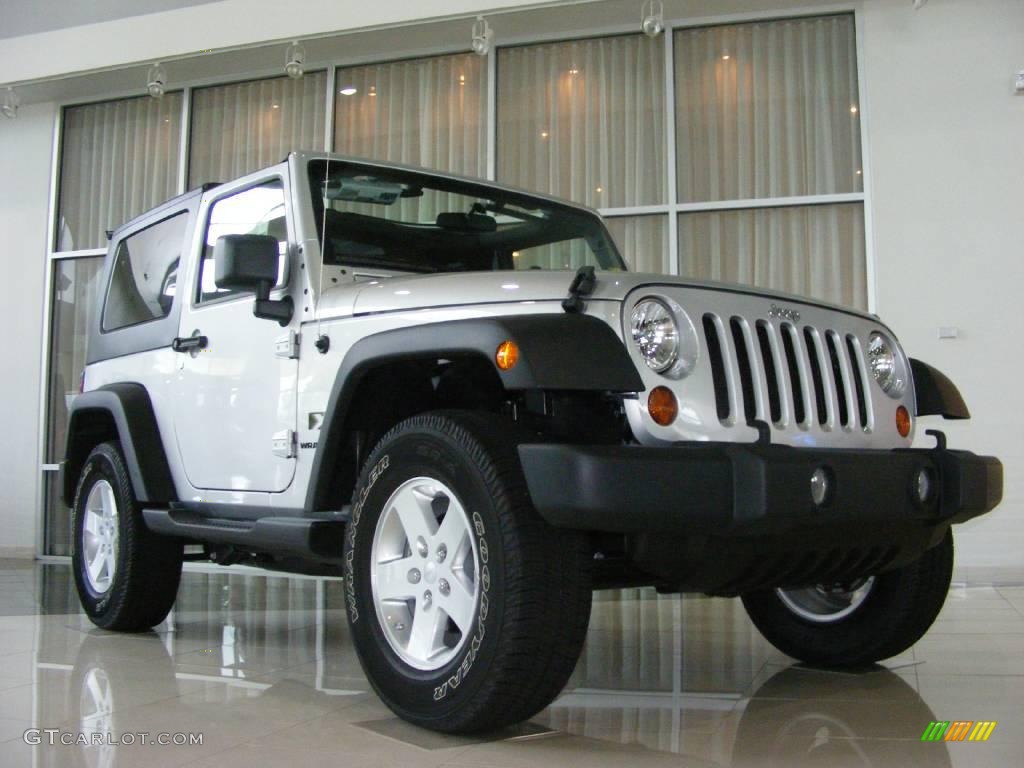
[{"x": 399, "y": 221}]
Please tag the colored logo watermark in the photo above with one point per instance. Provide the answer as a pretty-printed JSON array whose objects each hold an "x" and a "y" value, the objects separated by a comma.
[{"x": 958, "y": 730}]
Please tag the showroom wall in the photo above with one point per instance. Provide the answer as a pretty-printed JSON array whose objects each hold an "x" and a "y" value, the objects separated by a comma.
[
  {"x": 26, "y": 149},
  {"x": 943, "y": 177},
  {"x": 945, "y": 137}
]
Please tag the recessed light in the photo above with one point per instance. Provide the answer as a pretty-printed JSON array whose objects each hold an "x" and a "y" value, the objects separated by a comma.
[
  {"x": 853, "y": 109},
  {"x": 276, "y": 106},
  {"x": 725, "y": 57},
  {"x": 543, "y": 134},
  {"x": 349, "y": 90}
]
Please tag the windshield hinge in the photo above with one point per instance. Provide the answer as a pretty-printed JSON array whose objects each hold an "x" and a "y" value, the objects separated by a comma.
[
  {"x": 283, "y": 444},
  {"x": 582, "y": 285}
]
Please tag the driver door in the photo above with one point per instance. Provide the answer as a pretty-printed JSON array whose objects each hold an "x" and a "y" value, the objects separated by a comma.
[{"x": 235, "y": 398}]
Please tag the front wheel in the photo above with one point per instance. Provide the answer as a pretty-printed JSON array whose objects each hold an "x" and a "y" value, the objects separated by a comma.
[
  {"x": 467, "y": 610},
  {"x": 851, "y": 625}
]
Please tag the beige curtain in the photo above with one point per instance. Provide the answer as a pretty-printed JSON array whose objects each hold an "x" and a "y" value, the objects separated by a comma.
[
  {"x": 585, "y": 119},
  {"x": 642, "y": 241},
  {"x": 119, "y": 159},
  {"x": 240, "y": 128},
  {"x": 815, "y": 251},
  {"x": 768, "y": 109},
  {"x": 424, "y": 112}
]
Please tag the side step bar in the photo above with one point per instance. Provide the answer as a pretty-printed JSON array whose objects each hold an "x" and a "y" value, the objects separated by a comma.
[{"x": 301, "y": 536}]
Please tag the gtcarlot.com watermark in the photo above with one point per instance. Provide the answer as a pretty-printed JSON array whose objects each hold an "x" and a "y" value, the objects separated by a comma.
[{"x": 56, "y": 737}]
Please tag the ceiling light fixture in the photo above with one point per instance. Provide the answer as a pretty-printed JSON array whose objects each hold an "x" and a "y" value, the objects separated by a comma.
[
  {"x": 11, "y": 103},
  {"x": 294, "y": 58},
  {"x": 349, "y": 90},
  {"x": 483, "y": 36},
  {"x": 156, "y": 80},
  {"x": 652, "y": 17}
]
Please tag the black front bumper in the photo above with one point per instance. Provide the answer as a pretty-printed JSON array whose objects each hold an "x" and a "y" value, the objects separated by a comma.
[
  {"x": 728, "y": 518},
  {"x": 729, "y": 489}
]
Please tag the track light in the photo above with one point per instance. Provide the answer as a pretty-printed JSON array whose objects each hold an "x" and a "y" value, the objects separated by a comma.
[
  {"x": 294, "y": 58},
  {"x": 156, "y": 80},
  {"x": 482, "y": 36},
  {"x": 11, "y": 102},
  {"x": 652, "y": 18}
]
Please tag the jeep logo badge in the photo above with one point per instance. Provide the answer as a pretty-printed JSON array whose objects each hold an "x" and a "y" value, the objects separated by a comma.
[{"x": 784, "y": 314}]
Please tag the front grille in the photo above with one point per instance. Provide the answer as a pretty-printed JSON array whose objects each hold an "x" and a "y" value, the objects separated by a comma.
[{"x": 771, "y": 371}]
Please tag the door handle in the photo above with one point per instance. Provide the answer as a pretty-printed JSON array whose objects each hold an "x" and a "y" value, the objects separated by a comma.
[{"x": 191, "y": 343}]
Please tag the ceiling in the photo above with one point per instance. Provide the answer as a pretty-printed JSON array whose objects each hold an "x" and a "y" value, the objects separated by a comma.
[{"x": 29, "y": 17}]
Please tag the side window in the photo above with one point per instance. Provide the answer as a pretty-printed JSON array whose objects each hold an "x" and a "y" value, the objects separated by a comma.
[
  {"x": 254, "y": 211},
  {"x": 144, "y": 277}
]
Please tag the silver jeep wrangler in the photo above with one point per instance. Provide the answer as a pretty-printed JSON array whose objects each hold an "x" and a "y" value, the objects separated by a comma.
[{"x": 454, "y": 395}]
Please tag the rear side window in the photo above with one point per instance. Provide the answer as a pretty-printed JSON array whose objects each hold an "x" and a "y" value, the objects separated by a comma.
[{"x": 144, "y": 277}]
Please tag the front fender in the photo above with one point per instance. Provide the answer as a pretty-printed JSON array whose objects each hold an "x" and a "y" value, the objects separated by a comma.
[
  {"x": 557, "y": 352},
  {"x": 936, "y": 394}
]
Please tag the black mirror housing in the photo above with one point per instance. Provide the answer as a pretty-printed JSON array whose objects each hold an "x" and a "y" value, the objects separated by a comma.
[
  {"x": 250, "y": 263},
  {"x": 246, "y": 263}
]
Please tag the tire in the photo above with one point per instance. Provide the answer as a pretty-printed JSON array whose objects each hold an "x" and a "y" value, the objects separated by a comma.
[
  {"x": 526, "y": 584},
  {"x": 136, "y": 577},
  {"x": 895, "y": 610}
]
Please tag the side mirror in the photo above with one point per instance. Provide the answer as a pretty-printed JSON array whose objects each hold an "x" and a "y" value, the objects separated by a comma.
[{"x": 249, "y": 263}]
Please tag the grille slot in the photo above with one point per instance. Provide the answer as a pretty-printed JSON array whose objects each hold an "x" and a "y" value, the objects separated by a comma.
[
  {"x": 859, "y": 380},
  {"x": 717, "y": 360},
  {"x": 838, "y": 379},
  {"x": 816, "y": 377},
  {"x": 796, "y": 383},
  {"x": 771, "y": 377},
  {"x": 739, "y": 338}
]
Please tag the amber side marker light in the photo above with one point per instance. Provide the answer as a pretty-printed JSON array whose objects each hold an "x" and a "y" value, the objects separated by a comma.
[
  {"x": 662, "y": 406},
  {"x": 903, "y": 421},
  {"x": 507, "y": 355}
]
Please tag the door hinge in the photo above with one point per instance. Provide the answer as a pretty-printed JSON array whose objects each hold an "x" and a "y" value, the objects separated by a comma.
[
  {"x": 287, "y": 346},
  {"x": 284, "y": 444}
]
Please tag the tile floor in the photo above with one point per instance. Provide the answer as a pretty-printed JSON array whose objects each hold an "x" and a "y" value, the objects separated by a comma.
[{"x": 262, "y": 667}]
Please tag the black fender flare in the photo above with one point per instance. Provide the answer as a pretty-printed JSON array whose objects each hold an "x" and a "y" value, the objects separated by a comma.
[
  {"x": 556, "y": 352},
  {"x": 936, "y": 395},
  {"x": 130, "y": 409}
]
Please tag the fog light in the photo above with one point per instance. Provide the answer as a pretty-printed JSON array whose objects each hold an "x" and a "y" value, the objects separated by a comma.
[
  {"x": 821, "y": 486},
  {"x": 923, "y": 485},
  {"x": 662, "y": 406}
]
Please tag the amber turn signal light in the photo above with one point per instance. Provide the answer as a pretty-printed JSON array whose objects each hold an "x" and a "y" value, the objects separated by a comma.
[
  {"x": 507, "y": 355},
  {"x": 903, "y": 421},
  {"x": 662, "y": 406}
]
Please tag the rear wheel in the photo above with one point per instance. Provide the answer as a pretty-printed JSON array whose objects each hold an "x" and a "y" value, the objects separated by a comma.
[
  {"x": 127, "y": 576},
  {"x": 850, "y": 625},
  {"x": 467, "y": 610}
]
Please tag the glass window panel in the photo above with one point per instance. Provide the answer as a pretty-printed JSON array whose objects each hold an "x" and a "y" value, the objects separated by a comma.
[
  {"x": 144, "y": 278},
  {"x": 585, "y": 119},
  {"x": 118, "y": 159},
  {"x": 768, "y": 109},
  {"x": 424, "y": 112},
  {"x": 815, "y": 251},
  {"x": 256, "y": 211},
  {"x": 642, "y": 241},
  {"x": 75, "y": 288},
  {"x": 242, "y": 127}
]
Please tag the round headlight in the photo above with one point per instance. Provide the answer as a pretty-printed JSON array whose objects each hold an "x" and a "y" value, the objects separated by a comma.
[
  {"x": 885, "y": 365},
  {"x": 656, "y": 333}
]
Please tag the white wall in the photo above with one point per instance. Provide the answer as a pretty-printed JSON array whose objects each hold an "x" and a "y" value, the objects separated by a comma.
[
  {"x": 26, "y": 146},
  {"x": 946, "y": 144}
]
